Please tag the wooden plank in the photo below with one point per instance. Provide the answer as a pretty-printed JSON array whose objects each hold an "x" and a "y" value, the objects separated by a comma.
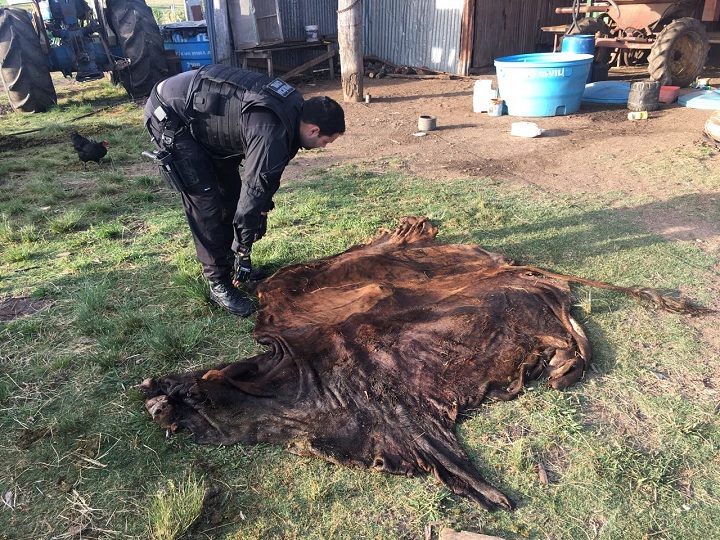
[
  {"x": 452, "y": 534},
  {"x": 467, "y": 37},
  {"x": 309, "y": 64}
]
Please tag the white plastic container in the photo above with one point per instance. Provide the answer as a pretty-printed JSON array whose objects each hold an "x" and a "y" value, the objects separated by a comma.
[
  {"x": 525, "y": 129},
  {"x": 45, "y": 10},
  {"x": 483, "y": 94},
  {"x": 496, "y": 107}
]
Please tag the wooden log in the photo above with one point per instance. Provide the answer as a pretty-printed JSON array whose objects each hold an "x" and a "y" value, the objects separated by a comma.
[
  {"x": 350, "y": 40},
  {"x": 445, "y": 77},
  {"x": 380, "y": 61}
]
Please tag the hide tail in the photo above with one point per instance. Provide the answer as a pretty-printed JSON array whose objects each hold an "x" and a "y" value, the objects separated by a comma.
[{"x": 674, "y": 305}]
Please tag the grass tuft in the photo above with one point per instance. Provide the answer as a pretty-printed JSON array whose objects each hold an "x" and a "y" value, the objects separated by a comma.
[
  {"x": 172, "y": 341},
  {"x": 65, "y": 222},
  {"x": 92, "y": 308},
  {"x": 174, "y": 509}
]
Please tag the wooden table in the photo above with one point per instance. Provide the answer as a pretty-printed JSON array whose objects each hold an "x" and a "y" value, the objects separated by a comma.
[
  {"x": 266, "y": 52},
  {"x": 558, "y": 31}
]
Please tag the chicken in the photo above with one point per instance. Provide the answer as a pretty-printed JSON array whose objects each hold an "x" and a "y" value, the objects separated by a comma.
[{"x": 87, "y": 149}]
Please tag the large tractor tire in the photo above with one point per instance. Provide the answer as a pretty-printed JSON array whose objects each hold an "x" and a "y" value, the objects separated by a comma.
[
  {"x": 590, "y": 26},
  {"x": 678, "y": 55},
  {"x": 142, "y": 44},
  {"x": 23, "y": 65}
]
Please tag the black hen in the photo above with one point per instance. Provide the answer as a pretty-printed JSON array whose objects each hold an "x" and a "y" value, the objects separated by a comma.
[{"x": 87, "y": 149}]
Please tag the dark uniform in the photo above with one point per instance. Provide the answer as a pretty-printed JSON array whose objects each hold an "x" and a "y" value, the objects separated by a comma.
[{"x": 211, "y": 121}]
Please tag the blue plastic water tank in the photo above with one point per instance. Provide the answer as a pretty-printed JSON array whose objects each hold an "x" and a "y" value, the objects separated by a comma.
[
  {"x": 579, "y": 44},
  {"x": 543, "y": 84}
]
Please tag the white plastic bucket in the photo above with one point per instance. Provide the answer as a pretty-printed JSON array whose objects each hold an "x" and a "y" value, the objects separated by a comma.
[
  {"x": 311, "y": 33},
  {"x": 483, "y": 94}
]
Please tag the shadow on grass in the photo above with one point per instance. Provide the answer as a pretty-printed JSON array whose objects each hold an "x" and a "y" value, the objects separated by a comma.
[{"x": 574, "y": 238}]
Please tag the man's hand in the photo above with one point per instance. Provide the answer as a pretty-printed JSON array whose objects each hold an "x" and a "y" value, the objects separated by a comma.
[
  {"x": 241, "y": 268},
  {"x": 262, "y": 228}
]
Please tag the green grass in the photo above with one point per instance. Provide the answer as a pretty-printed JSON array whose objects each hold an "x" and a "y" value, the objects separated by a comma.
[
  {"x": 174, "y": 509},
  {"x": 630, "y": 452}
]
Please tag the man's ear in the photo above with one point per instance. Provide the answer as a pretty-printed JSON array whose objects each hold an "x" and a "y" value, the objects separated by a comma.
[{"x": 313, "y": 130}]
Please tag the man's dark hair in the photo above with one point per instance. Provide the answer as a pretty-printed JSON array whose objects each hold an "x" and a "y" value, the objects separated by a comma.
[{"x": 325, "y": 113}]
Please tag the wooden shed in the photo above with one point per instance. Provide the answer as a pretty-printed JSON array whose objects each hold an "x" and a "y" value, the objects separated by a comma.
[{"x": 454, "y": 36}]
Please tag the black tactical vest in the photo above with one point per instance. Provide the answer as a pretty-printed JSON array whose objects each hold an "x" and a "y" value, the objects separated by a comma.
[{"x": 219, "y": 94}]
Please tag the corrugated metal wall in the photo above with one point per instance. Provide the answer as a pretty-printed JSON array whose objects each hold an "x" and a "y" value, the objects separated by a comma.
[
  {"x": 506, "y": 27},
  {"x": 294, "y": 16},
  {"x": 426, "y": 33},
  {"x": 420, "y": 33}
]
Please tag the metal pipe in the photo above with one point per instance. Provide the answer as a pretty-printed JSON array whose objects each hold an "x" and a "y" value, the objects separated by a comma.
[{"x": 583, "y": 9}]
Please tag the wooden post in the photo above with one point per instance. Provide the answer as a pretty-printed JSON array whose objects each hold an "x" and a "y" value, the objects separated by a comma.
[
  {"x": 216, "y": 15},
  {"x": 467, "y": 37},
  {"x": 350, "y": 42}
]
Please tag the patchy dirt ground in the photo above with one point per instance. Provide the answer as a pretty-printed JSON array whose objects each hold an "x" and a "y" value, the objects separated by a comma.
[
  {"x": 12, "y": 308},
  {"x": 594, "y": 150}
]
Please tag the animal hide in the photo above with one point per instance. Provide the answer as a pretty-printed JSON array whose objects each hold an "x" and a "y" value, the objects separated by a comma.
[{"x": 373, "y": 353}]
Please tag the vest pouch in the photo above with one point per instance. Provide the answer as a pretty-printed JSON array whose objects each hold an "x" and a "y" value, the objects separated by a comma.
[{"x": 206, "y": 103}]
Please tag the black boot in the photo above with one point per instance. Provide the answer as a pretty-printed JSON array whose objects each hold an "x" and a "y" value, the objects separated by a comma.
[{"x": 224, "y": 294}]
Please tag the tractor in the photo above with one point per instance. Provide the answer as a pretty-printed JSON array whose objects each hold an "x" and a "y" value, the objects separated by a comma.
[
  {"x": 119, "y": 39},
  {"x": 670, "y": 36}
]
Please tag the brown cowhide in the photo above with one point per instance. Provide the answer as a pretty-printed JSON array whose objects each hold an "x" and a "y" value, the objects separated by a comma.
[{"x": 373, "y": 353}]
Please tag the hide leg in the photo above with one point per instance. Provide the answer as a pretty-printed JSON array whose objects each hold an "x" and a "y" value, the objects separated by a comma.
[
  {"x": 566, "y": 367},
  {"x": 234, "y": 371},
  {"x": 450, "y": 465}
]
